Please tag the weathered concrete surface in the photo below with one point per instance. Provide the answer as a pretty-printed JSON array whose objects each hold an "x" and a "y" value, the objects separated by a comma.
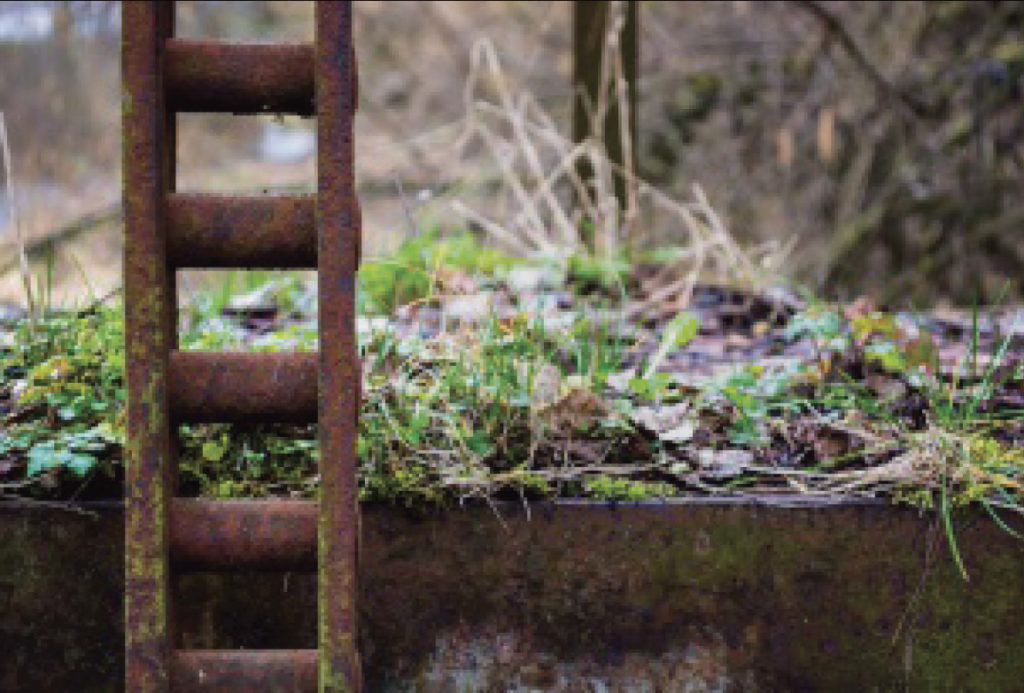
[
  {"x": 707, "y": 597},
  {"x": 61, "y": 600}
]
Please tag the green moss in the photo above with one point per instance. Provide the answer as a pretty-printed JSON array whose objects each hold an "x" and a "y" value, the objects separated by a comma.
[{"x": 603, "y": 487}]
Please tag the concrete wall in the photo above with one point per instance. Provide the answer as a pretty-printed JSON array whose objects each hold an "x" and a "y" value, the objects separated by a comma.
[{"x": 577, "y": 597}]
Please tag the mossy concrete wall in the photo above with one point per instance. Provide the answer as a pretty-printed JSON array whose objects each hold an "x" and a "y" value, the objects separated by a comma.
[{"x": 577, "y": 597}]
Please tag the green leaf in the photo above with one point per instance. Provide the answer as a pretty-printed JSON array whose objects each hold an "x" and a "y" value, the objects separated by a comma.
[
  {"x": 88, "y": 444},
  {"x": 650, "y": 387},
  {"x": 681, "y": 329},
  {"x": 999, "y": 521},
  {"x": 44, "y": 457},
  {"x": 214, "y": 450},
  {"x": 79, "y": 463},
  {"x": 480, "y": 443},
  {"x": 679, "y": 332},
  {"x": 946, "y": 512},
  {"x": 41, "y": 458}
]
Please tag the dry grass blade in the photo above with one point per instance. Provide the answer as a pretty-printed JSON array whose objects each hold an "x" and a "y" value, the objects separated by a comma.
[
  {"x": 543, "y": 202},
  {"x": 26, "y": 277}
]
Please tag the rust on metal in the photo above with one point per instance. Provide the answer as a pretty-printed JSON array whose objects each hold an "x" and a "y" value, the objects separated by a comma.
[
  {"x": 150, "y": 318},
  {"x": 164, "y": 231},
  {"x": 355, "y": 80},
  {"x": 358, "y": 231},
  {"x": 222, "y": 77},
  {"x": 337, "y": 228},
  {"x": 268, "y": 535},
  {"x": 252, "y": 671},
  {"x": 265, "y": 232},
  {"x": 243, "y": 387}
]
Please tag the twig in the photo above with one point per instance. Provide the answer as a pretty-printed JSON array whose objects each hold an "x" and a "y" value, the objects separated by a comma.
[
  {"x": 835, "y": 27},
  {"x": 67, "y": 232},
  {"x": 12, "y": 500},
  {"x": 94, "y": 306},
  {"x": 929, "y": 553},
  {"x": 406, "y": 207}
]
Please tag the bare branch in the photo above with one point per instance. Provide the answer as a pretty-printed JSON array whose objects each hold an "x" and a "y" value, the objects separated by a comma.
[{"x": 834, "y": 27}]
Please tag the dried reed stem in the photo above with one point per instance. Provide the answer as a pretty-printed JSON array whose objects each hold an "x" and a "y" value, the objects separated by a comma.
[
  {"x": 545, "y": 199},
  {"x": 19, "y": 240}
]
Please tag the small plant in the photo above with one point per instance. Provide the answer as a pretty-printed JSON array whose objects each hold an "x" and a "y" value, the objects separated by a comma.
[
  {"x": 69, "y": 374},
  {"x": 676, "y": 334},
  {"x": 420, "y": 268}
]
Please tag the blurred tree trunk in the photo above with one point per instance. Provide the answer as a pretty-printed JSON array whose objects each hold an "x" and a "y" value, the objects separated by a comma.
[
  {"x": 63, "y": 23},
  {"x": 589, "y": 31}
]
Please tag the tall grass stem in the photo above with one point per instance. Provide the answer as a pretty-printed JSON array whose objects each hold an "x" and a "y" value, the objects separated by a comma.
[{"x": 12, "y": 214}]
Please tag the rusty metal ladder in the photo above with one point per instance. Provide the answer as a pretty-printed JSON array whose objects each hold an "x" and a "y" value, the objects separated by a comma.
[{"x": 166, "y": 231}]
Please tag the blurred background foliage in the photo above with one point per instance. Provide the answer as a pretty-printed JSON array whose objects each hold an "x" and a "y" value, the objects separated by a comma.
[{"x": 886, "y": 136}]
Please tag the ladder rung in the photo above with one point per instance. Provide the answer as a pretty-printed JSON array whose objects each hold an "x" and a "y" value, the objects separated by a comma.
[
  {"x": 244, "y": 671},
  {"x": 224, "y": 387},
  {"x": 266, "y": 535},
  {"x": 264, "y": 232},
  {"x": 223, "y": 77}
]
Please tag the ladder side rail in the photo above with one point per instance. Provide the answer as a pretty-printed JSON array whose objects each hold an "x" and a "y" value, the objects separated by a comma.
[
  {"x": 150, "y": 314},
  {"x": 337, "y": 219}
]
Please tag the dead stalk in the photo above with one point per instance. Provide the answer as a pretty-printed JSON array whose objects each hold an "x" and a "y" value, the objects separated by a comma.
[
  {"x": 19, "y": 240},
  {"x": 542, "y": 201}
]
